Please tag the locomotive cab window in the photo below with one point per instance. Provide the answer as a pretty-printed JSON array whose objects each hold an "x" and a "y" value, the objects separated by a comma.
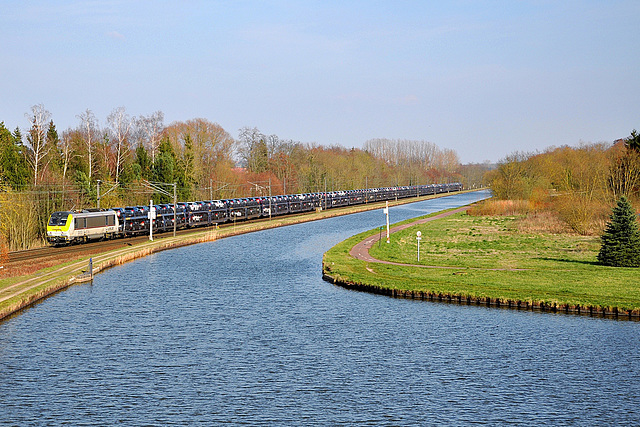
[{"x": 59, "y": 218}]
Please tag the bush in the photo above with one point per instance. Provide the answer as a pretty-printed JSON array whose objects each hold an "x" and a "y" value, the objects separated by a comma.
[
  {"x": 19, "y": 221},
  {"x": 584, "y": 215},
  {"x": 621, "y": 238}
]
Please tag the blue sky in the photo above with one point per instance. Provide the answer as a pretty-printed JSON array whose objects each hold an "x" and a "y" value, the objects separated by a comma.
[{"x": 483, "y": 78}]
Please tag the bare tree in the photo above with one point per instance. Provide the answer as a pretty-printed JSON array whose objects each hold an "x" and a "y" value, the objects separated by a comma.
[
  {"x": 120, "y": 124},
  {"x": 89, "y": 131},
  {"x": 39, "y": 118},
  {"x": 202, "y": 146},
  {"x": 624, "y": 173},
  {"x": 151, "y": 128},
  {"x": 401, "y": 151},
  {"x": 448, "y": 160},
  {"x": 252, "y": 149},
  {"x": 65, "y": 145}
]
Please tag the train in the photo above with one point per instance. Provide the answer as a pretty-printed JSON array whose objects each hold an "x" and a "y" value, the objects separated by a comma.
[{"x": 68, "y": 227}]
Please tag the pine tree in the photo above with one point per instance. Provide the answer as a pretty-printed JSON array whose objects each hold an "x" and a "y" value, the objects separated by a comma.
[
  {"x": 52, "y": 140},
  {"x": 14, "y": 169},
  {"x": 145, "y": 163},
  {"x": 621, "y": 238},
  {"x": 633, "y": 141},
  {"x": 17, "y": 136},
  {"x": 164, "y": 169}
]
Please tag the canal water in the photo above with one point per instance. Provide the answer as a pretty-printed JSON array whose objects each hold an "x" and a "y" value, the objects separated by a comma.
[{"x": 244, "y": 330}]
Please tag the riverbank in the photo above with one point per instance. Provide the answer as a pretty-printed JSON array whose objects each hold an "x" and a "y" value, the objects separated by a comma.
[
  {"x": 487, "y": 261},
  {"x": 17, "y": 293}
]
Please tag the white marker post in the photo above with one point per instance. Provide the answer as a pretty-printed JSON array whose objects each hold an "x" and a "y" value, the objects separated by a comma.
[
  {"x": 386, "y": 211},
  {"x": 418, "y": 238},
  {"x": 152, "y": 216}
]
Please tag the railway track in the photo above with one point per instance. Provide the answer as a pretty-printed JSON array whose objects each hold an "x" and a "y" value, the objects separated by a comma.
[
  {"x": 33, "y": 259},
  {"x": 33, "y": 255},
  {"x": 28, "y": 261}
]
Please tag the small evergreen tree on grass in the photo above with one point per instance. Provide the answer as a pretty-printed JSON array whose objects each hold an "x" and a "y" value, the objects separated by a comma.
[{"x": 621, "y": 238}]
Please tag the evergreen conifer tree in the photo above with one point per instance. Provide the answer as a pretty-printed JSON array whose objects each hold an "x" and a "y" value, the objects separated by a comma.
[
  {"x": 621, "y": 238},
  {"x": 14, "y": 169}
]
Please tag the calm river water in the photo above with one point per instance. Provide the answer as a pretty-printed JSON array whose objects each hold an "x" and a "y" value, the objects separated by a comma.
[{"x": 244, "y": 330}]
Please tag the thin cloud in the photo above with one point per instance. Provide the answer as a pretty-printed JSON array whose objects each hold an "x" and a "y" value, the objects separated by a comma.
[
  {"x": 115, "y": 35},
  {"x": 408, "y": 100}
]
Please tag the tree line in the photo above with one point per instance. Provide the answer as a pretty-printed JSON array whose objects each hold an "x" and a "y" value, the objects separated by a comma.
[
  {"x": 580, "y": 184},
  {"x": 130, "y": 160}
]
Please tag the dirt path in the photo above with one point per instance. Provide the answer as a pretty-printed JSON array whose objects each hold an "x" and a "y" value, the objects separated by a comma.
[{"x": 361, "y": 250}]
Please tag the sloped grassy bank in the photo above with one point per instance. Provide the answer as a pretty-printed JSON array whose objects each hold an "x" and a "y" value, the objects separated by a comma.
[
  {"x": 490, "y": 262},
  {"x": 21, "y": 292}
]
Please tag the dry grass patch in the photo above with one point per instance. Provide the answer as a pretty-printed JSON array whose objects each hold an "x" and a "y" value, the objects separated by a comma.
[
  {"x": 542, "y": 222},
  {"x": 494, "y": 207}
]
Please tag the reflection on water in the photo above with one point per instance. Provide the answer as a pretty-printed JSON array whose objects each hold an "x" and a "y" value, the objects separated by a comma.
[{"x": 244, "y": 330}]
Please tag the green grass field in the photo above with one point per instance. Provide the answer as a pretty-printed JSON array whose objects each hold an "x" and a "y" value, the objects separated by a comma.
[{"x": 490, "y": 257}]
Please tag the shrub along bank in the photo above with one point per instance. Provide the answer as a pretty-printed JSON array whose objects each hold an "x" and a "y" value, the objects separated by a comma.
[{"x": 491, "y": 257}]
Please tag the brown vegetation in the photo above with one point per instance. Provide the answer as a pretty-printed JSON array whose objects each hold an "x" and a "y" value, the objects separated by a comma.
[
  {"x": 4, "y": 253},
  {"x": 542, "y": 222},
  {"x": 579, "y": 185},
  {"x": 493, "y": 207},
  {"x": 18, "y": 220},
  {"x": 534, "y": 217},
  {"x": 131, "y": 160}
]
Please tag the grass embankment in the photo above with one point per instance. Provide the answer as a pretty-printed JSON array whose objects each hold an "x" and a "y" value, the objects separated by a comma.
[
  {"x": 17, "y": 293},
  {"x": 492, "y": 257}
]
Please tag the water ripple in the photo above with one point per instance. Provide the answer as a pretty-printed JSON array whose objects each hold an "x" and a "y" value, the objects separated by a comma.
[{"x": 244, "y": 331}]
